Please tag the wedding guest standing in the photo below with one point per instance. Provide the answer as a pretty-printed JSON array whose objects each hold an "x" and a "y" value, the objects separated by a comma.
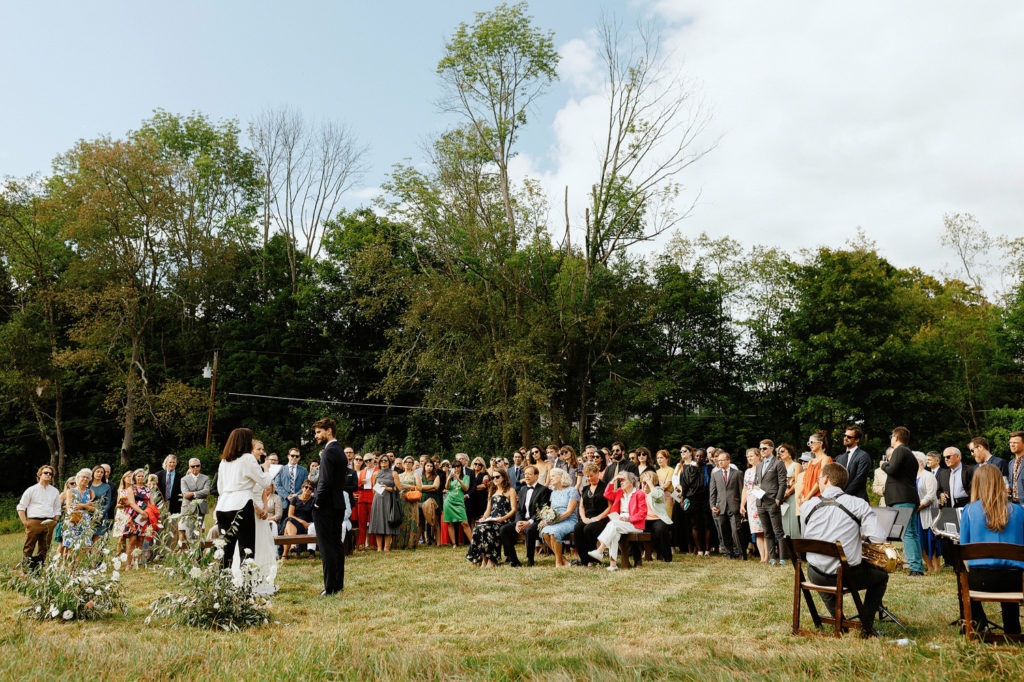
[
  {"x": 291, "y": 477},
  {"x": 38, "y": 510},
  {"x": 409, "y": 532},
  {"x": 102, "y": 493},
  {"x": 429, "y": 482},
  {"x": 78, "y": 520},
  {"x": 237, "y": 476},
  {"x": 456, "y": 487},
  {"x": 330, "y": 505},
  {"x": 749, "y": 507},
  {"x": 138, "y": 528},
  {"x": 790, "y": 521},
  {"x": 169, "y": 481},
  {"x": 195, "y": 488}
]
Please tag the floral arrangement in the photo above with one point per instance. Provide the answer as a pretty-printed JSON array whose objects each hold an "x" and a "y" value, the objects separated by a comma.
[
  {"x": 547, "y": 514},
  {"x": 75, "y": 587},
  {"x": 214, "y": 598}
]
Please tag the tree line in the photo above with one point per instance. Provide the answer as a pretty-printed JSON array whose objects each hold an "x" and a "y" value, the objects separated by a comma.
[{"x": 465, "y": 310}]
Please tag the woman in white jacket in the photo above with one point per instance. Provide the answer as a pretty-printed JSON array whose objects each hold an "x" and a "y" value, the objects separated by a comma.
[{"x": 928, "y": 511}]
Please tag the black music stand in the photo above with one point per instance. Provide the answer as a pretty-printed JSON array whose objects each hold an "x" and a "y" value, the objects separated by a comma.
[{"x": 893, "y": 522}]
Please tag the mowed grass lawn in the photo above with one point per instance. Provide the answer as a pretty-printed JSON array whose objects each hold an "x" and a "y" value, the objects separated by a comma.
[{"x": 429, "y": 614}]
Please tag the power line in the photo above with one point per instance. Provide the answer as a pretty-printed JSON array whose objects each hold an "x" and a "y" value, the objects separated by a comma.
[{"x": 342, "y": 402}]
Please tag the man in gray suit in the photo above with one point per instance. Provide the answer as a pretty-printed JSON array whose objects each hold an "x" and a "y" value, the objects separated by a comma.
[
  {"x": 195, "y": 488},
  {"x": 726, "y": 490},
  {"x": 770, "y": 477}
]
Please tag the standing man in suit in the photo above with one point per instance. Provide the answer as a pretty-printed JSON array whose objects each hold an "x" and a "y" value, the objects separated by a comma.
[
  {"x": 290, "y": 478},
  {"x": 618, "y": 463},
  {"x": 770, "y": 477},
  {"x": 983, "y": 455},
  {"x": 901, "y": 491},
  {"x": 515, "y": 472},
  {"x": 856, "y": 461},
  {"x": 330, "y": 505},
  {"x": 195, "y": 488},
  {"x": 1017, "y": 467},
  {"x": 726, "y": 491},
  {"x": 532, "y": 497},
  {"x": 170, "y": 484},
  {"x": 954, "y": 480}
]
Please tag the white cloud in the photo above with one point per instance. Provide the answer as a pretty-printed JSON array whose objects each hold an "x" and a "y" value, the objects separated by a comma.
[{"x": 832, "y": 116}]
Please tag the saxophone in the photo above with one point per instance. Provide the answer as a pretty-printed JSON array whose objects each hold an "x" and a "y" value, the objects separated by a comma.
[{"x": 882, "y": 554}]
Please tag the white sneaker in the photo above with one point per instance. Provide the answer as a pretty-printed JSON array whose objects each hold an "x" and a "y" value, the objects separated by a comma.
[
  {"x": 596, "y": 554},
  {"x": 613, "y": 567}
]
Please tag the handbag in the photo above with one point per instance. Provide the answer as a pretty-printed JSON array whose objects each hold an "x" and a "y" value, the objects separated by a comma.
[
  {"x": 412, "y": 496},
  {"x": 395, "y": 516}
]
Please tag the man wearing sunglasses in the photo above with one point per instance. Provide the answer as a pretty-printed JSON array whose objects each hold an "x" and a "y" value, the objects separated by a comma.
[
  {"x": 39, "y": 509},
  {"x": 856, "y": 461},
  {"x": 195, "y": 488},
  {"x": 618, "y": 463},
  {"x": 292, "y": 475}
]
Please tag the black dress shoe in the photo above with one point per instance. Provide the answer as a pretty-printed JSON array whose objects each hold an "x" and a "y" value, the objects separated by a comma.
[
  {"x": 529, "y": 563},
  {"x": 514, "y": 565}
]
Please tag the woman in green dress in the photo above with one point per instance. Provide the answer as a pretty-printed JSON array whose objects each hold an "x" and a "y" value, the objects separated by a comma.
[
  {"x": 456, "y": 488},
  {"x": 790, "y": 521},
  {"x": 409, "y": 531}
]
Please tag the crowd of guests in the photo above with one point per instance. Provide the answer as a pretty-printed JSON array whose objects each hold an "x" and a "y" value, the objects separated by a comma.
[{"x": 576, "y": 508}]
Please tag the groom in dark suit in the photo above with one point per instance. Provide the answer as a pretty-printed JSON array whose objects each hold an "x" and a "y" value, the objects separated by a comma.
[
  {"x": 532, "y": 498},
  {"x": 329, "y": 505}
]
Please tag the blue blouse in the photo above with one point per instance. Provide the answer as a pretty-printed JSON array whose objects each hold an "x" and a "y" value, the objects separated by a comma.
[{"x": 973, "y": 529}]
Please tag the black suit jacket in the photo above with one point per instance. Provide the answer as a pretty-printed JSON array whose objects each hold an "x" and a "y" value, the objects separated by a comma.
[
  {"x": 615, "y": 467},
  {"x": 330, "y": 487},
  {"x": 1001, "y": 464},
  {"x": 967, "y": 472},
  {"x": 541, "y": 497},
  {"x": 859, "y": 465},
  {"x": 174, "y": 501},
  {"x": 901, "y": 477}
]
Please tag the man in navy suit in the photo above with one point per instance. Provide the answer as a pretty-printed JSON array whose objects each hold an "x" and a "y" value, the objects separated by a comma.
[
  {"x": 983, "y": 455},
  {"x": 857, "y": 462},
  {"x": 329, "y": 505},
  {"x": 290, "y": 479},
  {"x": 170, "y": 484}
]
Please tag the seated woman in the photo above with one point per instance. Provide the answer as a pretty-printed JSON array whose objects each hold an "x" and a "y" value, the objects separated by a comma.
[
  {"x": 990, "y": 517},
  {"x": 628, "y": 515},
  {"x": 658, "y": 523},
  {"x": 300, "y": 514},
  {"x": 564, "y": 500},
  {"x": 485, "y": 547}
]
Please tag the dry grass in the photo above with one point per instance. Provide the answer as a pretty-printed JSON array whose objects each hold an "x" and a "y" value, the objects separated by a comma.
[{"x": 430, "y": 614}]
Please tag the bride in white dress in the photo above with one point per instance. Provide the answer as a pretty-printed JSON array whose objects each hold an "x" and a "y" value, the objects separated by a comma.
[{"x": 265, "y": 554}]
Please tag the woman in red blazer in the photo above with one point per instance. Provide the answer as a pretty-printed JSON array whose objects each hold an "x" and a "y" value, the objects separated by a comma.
[{"x": 628, "y": 513}]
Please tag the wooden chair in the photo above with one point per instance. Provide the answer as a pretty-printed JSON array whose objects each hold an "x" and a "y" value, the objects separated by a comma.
[
  {"x": 798, "y": 550},
  {"x": 984, "y": 550}
]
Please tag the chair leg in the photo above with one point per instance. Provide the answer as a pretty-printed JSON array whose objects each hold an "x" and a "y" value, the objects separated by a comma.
[
  {"x": 796, "y": 600},
  {"x": 839, "y": 603}
]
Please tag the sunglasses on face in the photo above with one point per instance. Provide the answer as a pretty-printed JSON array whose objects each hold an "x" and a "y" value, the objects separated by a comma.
[
  {"x": 764, "y": 447},
  {"x": 193, "y": 466}
]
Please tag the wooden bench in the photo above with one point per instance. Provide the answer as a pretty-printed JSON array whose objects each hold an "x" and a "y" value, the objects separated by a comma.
[
  {"x": 281, "y": 540},
  {"x": 626, "y": 543}
]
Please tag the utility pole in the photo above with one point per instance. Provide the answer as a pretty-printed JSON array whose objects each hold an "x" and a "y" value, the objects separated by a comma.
[{"x": 213, "y": 394}]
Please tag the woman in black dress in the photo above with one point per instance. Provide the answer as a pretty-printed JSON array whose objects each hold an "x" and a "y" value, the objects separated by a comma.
[{"x": 479, "y": 483}]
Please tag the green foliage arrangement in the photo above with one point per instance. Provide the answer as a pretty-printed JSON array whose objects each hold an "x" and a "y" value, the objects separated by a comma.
[{"x": 80, "y": 586}]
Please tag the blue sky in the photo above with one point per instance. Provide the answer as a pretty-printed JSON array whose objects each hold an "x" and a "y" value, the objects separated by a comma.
[
  {"x": 830, "y": 116},
  {"x": 75, "y": 70}
]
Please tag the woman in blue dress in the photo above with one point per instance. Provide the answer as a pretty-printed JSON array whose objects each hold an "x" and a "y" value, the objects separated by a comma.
[
  {"x": 564, "y": 500},
  {"x": 79, "y": 508}
]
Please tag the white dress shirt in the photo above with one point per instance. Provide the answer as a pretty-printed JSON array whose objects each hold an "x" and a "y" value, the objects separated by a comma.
[
  {"x": 236, "y": 481},
  {"x": 40, "y": 502},
  {"x": 832, "y": 524},
  {"x": 956, "y": 482}
]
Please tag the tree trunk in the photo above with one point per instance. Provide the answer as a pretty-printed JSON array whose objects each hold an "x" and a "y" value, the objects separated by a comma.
[{"x": 128, "y": 440}]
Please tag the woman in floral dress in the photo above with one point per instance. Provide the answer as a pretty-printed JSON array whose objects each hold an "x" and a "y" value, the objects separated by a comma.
[
  {"x": 749, "y": 503},
  {"x": 485, "y": 548},
  {"x": 409, "y": 532},
  {"x": 79, "y": 509},
  {"x": 138, "y": 528}
]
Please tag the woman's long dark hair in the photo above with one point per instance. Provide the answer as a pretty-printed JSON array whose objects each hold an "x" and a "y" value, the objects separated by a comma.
[{"x": 239, "y": 442}]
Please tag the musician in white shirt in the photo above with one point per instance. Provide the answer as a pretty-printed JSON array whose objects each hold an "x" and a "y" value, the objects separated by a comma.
[{"x": 39, "y": 509}]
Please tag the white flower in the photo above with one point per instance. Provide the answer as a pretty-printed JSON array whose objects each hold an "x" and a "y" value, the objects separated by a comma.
[
  {"x": 114, "y": 575},
  {"x": 39, "y": 609},
  {"x": 195, "y": 572},
  {"x": 247, "y": 551},
  {"x": 219, "y": 543},
  {"x": 99, "y": 593},
  {"x": 106, "y": 550},
  {"x": 117, "y": 564},
  {"x": 148, "y": 618},
  {"x": 54, "y": 613},
  {"x": 123, "y": 557},
  {"x": 69, "y": 614},
  {"x": 219, "y": 554},
  {"x": 102, "y": 567},
  {"x": 216, "y": 605}
]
